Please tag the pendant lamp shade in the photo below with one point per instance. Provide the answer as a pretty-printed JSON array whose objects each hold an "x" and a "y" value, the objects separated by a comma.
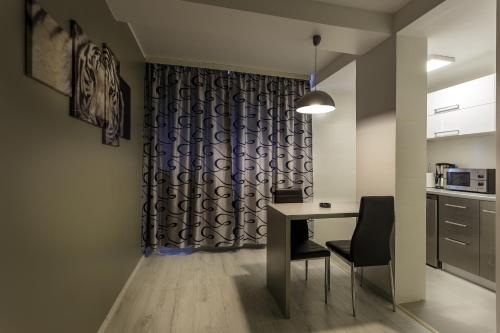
[{"x": 315, "y": 101}]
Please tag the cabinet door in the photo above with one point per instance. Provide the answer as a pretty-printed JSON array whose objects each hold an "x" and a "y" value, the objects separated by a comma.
[
  {"x": 462, "y": 96},
  {"x": 459, "y": 233},
  {"x": 444, "y": 124},
  {"x": 433, "y": 126},
  {"x": 442, "y": 99},
  {"x": 478, "y": 119},
  {"x": 474, "y": 120},
  {"x": 477, "y": 92},
  {"x": 487, "y": 240}
]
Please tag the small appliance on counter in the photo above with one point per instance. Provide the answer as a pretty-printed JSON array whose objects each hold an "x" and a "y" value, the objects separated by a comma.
[
  {"x": 441, "y": 170},
  {"x": 470, "y": 180},
  {"x": 430, "y": 180}
]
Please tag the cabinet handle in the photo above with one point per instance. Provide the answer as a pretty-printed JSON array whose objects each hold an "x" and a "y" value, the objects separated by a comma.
[
  {"x": 457, "y": 224},
  {"x": 455, "y": 206},
  {"x": 446, "y": 133},
  {"x": 489, "y": 211},
  {"x": 447, "y": 108},
  {"x": 455, "y": 241}
]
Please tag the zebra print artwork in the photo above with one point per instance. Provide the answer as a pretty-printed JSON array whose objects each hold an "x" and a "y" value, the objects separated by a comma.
[
  {"x": 48, "y": 49},
  {"x": 89, "y": 76}
]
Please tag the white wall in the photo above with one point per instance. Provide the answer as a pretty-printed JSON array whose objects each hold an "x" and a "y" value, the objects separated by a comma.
[
  {"x": 465, "y": 152},
  {"x": 334, "y": 156}
]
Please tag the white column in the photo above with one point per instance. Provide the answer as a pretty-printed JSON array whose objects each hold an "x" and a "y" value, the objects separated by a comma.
[{"x": 411, "y": 157}]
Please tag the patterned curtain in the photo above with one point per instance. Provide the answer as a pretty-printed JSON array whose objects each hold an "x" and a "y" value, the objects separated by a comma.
[{"x": 216, "y": 143}]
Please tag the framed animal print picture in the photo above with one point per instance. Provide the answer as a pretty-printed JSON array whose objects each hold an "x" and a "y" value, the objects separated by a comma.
[
  {"x": 113, "y": 99},
  {"x": 125, "y": 117},
  {"x": 48, "y": 49},
  {"x": 89, "y": 79}
]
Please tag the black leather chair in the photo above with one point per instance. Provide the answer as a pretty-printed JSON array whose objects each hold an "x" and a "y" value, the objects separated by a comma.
[
  {"x": 370, "y": 243},
  {"x": 302, "y": 248}
]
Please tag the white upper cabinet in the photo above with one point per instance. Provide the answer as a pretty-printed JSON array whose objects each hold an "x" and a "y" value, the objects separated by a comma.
[
  {"x": 462, "y": 96},
  {"x": 467, "y": 108},
  {"x": 473, "y": 120}
]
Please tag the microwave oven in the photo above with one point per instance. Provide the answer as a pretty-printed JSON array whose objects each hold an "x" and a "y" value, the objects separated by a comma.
[{"x": 471, "y": 180}]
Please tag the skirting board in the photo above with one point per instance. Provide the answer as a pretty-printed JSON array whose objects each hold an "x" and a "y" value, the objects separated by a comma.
[
  {"x": 480, "y": 281},
  {"x": 118, "y": 299}
]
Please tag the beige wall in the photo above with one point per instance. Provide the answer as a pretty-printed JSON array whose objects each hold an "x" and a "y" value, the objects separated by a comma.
[
  {"x": 70, "y": 206},
  {"x": 334, "y": 156},
  {"x": 376, "y": 132},
  {"x": 465, "y": 152},
  {"x": 411, "y": 123}
]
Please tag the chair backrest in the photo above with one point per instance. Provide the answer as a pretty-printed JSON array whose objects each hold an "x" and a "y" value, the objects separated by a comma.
[
  {"x": 299, "y": 231},
  {"x": 288, "y": 195},
  {"x": 370, "y": 244}
]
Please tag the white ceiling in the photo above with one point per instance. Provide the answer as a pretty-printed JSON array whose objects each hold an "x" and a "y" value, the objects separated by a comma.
[
  {"x": 463, "y": 29},
  {"x": 381, "y": 6},
  {"x": 174, "y": 31}
]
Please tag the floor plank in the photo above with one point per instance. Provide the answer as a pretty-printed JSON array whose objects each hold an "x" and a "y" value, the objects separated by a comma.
[
  {"x": 454, "y": 305},
  {"x": 226, "y": 292}
]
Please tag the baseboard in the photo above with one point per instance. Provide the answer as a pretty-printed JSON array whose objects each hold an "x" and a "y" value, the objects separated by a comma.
[
  {"x": 118, "y": 299},
  {"x": 480, "y": 281}
]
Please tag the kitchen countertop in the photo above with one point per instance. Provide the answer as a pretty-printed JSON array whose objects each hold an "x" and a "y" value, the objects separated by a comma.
[{"x": 458, "y": 194}]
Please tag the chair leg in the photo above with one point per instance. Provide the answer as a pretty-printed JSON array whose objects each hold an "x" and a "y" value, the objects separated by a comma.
[
  {"x": 326, "y": 280},
  {"x": 392, "y": 287},
  {"x": 353, "y": 292},
  {"x": 307, "y": 266},
  {"x": 361, "y": 276},
  {"x": 329, "y": 275}
]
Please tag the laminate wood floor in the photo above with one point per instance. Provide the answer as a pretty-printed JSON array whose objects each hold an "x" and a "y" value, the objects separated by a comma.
[
  {"x": 226, "y": 292},
  {"x": 454, "y": 305}
]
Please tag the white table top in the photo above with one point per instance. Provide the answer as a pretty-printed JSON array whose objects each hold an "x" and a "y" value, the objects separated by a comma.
[{"x": 312, "y": 210}]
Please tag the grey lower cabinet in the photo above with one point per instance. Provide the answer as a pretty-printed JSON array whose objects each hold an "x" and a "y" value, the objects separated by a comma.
[
  {"x": 459, "y": 233},
  {"x": 487, "y": 240},
  {"x": 467, "y": 235}
]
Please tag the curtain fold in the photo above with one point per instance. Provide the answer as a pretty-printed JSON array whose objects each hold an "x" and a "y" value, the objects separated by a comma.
[{"x": 215, "y": 144}]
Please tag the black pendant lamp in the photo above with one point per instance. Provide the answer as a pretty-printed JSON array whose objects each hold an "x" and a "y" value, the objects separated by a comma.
[{"x": 316, "y": 101}]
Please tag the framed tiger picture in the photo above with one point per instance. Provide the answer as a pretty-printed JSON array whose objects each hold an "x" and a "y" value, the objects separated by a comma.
[
  {"x": 48, "y": 49},
  {"x": 89, "y": 79},
  {"x": 113, "y": 99}
]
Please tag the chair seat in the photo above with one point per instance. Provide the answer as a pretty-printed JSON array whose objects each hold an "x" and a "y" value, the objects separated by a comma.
[
  {"x": 341, "y": 247},
  {"x": 308, "y": 250}
]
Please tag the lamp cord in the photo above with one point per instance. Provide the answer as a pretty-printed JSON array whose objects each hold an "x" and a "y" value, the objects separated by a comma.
[{"x": 315, "y": 61}]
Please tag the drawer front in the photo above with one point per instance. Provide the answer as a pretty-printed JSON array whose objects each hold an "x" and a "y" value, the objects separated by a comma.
[
  {"x": 487, "y": 240},
  {"x": 459, "y": 233},
  {"x": 459, "y": 210},
  {"x": 459, "y": 254},
  {"x": 458, "y": 229}
]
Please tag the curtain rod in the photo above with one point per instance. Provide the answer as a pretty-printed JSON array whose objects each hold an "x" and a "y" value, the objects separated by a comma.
[{"x": 208, "y": 65}]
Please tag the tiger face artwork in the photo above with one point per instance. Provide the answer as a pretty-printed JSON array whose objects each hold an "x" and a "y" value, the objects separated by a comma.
[
  {"x": 89, "y": 79},
  {"x": 113, "y": 99},
  {"x": 97, "y": 96}
]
